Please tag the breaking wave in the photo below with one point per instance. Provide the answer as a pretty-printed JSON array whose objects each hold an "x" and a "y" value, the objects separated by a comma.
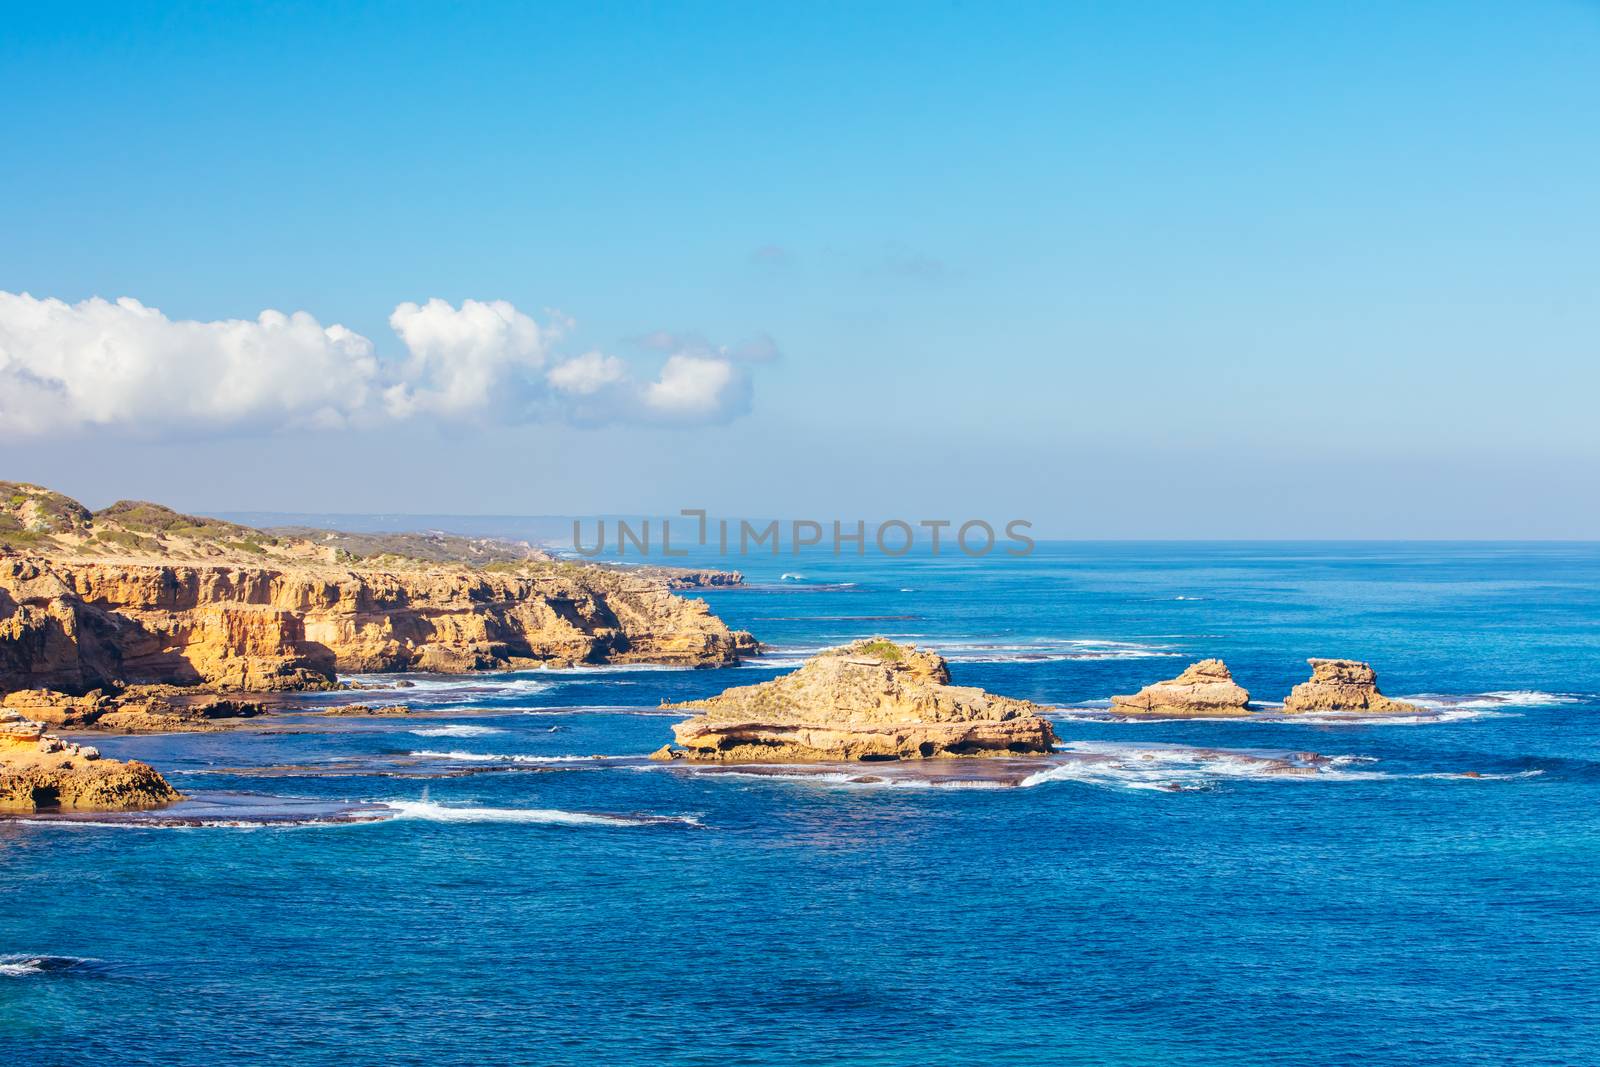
[
  {"x": 1502, "y": 698},
  {"x": 851, "y": 779},
  {"x": 990, "y": 650},
  {"x": 613, "y": 668},
  {"x": 1177, "y": 768},
  {"x": 1049, "y": 650},
  {"x": 432, "y": 689},
  {"x": 23, "y": 965},
  {"x": 516, "y": 757},
  {"x": 432, "y": 812},
  {"x": 1434, "y": 709},
  {"x": 457, "y": 730}
]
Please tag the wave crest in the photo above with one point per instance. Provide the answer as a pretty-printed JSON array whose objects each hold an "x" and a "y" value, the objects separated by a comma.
[
  {"x": 430, "y": 811},
  {"x": 23, "y": 965}
]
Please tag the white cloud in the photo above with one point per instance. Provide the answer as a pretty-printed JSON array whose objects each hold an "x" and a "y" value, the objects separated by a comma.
[
  {"x": 99, "y": 363},
  {"x": 587, "y": 374},
  {"x": 698, "y": 389},
  {"x": 126, "y": 366},
  {"x": 464, "y": 360}
]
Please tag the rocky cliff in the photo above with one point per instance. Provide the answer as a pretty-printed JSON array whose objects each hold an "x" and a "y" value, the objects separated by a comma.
[
  {"x": 140, "y": 594},
  {"x": 1343, "y": 685},
  {"x": 1204, "y": 690},
  {"x": 42, "y": 772},
  {"x": 77, "y": 625},
  {"x": 874, "y": 700}
]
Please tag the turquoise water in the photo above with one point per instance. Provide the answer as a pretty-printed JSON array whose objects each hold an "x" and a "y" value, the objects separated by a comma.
[{"x": 1168, "y": 902}]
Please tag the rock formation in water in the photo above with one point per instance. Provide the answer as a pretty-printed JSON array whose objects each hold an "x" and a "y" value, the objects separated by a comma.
[
  {"x": 141, "y": 595},
  {"x": 40, "y": 772},
  {"x": 139, "y": 709},
  {"x": 1343, "y": 685},
  {"x": 1204, "y": 690},
  {"x": 874, "y": 700}
]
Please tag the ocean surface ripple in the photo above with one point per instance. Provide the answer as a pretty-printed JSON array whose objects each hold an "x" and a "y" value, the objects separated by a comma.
[{"x": 501, "y": 876}]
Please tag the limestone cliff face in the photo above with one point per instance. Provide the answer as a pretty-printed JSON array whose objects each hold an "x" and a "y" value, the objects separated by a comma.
[
  {"x": 1343, "y": 685},
  {"x": 1204, "y": 690},
  {"x": 874, "y": 700},
  {"x": 74, "y": 625},
  {"x": 42, "y": 772}
]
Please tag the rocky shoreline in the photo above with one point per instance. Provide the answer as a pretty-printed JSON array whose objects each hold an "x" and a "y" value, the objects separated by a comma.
[
  {"x": 40, "y": 772},
  {"x": 138, "y": 618}
]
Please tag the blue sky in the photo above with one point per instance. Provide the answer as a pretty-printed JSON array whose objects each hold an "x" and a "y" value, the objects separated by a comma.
[{"x": 1147, "y": 270}]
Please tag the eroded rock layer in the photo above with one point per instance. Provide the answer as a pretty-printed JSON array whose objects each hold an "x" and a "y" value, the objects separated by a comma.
[
  {"x": 1204, "y": 690},
  {"x": 75, "y": 625},
  {"x": 874, "y": 700},
  {"x": 41, "y": 772},
  {"x": 1343, "y": 685}
]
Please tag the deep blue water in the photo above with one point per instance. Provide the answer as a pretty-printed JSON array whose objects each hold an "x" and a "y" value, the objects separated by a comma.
[{"x": 1181, "y": 909}]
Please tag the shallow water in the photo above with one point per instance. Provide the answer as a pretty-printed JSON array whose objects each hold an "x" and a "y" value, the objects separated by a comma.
[{"x": 503, "y": 878}]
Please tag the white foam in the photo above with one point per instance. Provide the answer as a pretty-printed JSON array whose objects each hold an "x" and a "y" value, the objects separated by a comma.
[
  {"x": 1046, "y": 650},
  {"x": 987, "y": 650},
  {"x": 1434, "y": 710},
  {"x": 457, "y": 729},
  {"x": 432, "y": 812},
  {"x": 858, "y": 779},
  {"x": 467, "y": 687},
  {"x": 1178, "y": 768},
  {"x": 1501, "y": 698},
  {"x": 613, "y": 668},
  {"x": 655, "y": 712},
  {"x": 180, "y": 823},
  {"x": 495, "y": 757},
  {"x": 1164, "y": 768},
  {"x": 1457, "y": 776},
  {"x": 1429, "y": 717},
  {"x": 21, "y": 965}
]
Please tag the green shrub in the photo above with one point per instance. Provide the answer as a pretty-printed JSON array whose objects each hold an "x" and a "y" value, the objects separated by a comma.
[{"x": 879, "y": 648}]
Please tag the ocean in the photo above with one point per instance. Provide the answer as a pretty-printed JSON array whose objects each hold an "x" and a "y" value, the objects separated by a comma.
[{"x": 520, "y": 886}]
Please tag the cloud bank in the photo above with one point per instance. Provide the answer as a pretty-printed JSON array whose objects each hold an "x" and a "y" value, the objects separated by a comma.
[{"x": 123, "y": 365}]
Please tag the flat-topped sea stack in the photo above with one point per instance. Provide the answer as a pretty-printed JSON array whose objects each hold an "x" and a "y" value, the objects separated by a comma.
[
  {"x": 138, "y": 594},
  {"x": 40, "y": 772},
  {"x": 1343, "y": 685},
  {"x": 1204, "y": 690},
  {"x": 873, "y": 700}
]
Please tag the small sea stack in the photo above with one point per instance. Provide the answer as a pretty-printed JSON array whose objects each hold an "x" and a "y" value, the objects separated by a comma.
[
  {"x": 1343, "y": 685},
  {"x": 873, "y": 700},
  {"x": 41, "y": 772},
  {"x": 1204, "y": 690}
]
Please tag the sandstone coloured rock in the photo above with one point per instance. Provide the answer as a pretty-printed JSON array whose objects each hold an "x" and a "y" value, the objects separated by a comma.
[
  {"x": 1343, "y": 685},
  {"x": 1204, "y": 690},
  {"x": 136, "y": 710},
  {"x": 74, "y": 626},
  {"x": 39, "y": 772},
  {"x": 138, "y": 594},
  {"x": 873, "y": 700}
]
